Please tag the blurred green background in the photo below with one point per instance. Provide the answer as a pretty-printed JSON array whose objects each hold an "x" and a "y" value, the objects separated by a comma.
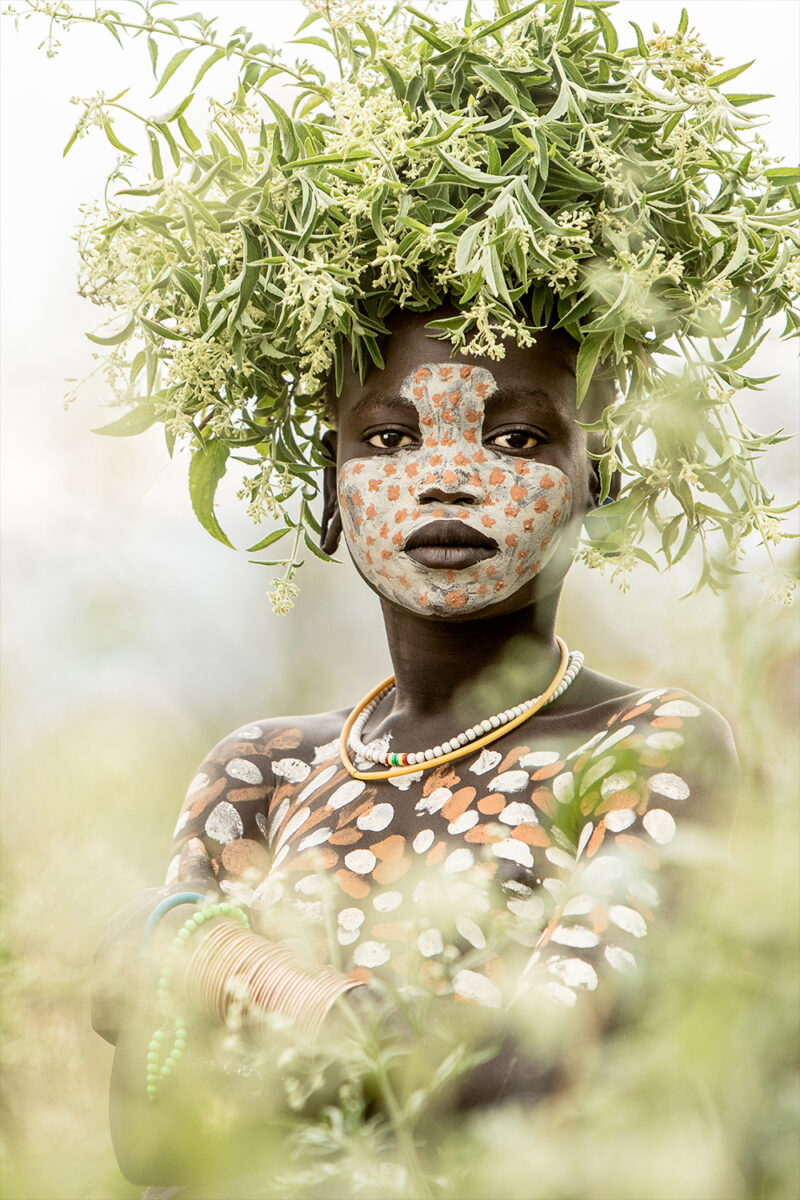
[{"x": 133, "y": 642}]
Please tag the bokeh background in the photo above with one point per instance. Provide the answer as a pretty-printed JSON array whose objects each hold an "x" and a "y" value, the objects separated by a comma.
[{"x": 132, "y": 642}]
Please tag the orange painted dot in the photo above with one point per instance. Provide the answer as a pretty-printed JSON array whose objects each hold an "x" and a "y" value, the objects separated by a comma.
[
  {"x": 458, "y": 803},
  {"x": 596, "y": 840},
  {"x": 456, "y": 599},
  {"x": 390, "y": 848},
  {"x": 546, "y": 482},
  {"x": 388, "y": 872},
  {"x": 482, "y": 835},
  {"x": 491, "y": 804},
  {"x": 352, "y": 884},
  {"x": 345, "y": 837},
  {"x": 541, "y": 505},
  {"x": 532, "y": 835}
]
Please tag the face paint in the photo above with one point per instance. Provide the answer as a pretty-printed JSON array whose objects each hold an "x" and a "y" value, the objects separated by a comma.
[{"x": 510, "y": 511}]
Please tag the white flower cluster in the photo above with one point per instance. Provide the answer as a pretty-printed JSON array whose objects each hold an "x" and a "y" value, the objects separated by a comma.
[
  {"x": 282, "y": 595},
  {"x": 195, "y": 379}
]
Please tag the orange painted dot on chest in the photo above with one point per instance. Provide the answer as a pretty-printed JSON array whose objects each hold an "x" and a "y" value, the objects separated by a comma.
[{"x": 470, "y": 521}]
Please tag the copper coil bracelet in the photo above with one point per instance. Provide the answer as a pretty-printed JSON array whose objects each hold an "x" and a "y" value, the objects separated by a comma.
[{"x": 230, "y": 969}]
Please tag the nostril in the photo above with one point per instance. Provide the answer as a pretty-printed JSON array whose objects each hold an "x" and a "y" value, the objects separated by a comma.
[{"x": 446, "y": 495}]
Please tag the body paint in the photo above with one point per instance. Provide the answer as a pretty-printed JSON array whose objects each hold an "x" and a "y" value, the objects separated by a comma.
[{"x": 521, "y": 504}]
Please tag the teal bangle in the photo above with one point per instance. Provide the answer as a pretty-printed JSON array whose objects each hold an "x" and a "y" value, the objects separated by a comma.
[
  {"x": 160, "y": 1065},
  {"x": 164, "y": 907}
]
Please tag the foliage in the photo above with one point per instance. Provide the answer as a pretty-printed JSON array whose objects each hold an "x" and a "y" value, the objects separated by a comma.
[
  {"x": 689, "y": 1095},
  {"x": 528, "y": 169}
]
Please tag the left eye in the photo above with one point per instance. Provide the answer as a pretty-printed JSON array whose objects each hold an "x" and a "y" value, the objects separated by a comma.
[
  {"x": 390, "y": 439},
  {"x": 514, "y": 439}
]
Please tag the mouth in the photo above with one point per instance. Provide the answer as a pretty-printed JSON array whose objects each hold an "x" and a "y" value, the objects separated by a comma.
[{"x": 449, "y": 545}]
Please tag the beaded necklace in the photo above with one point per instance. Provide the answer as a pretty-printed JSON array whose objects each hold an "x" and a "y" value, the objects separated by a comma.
[{"x": 474, "y": 738}]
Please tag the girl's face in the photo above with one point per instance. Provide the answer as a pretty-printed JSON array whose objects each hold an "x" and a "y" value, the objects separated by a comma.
[{"x": 457, "y": 481}]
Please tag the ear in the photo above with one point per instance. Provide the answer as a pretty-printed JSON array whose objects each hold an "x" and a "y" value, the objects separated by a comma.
[{"x": 331, "y": 529}]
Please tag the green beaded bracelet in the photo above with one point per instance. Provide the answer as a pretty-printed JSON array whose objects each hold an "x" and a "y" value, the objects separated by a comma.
[{"x": 159, "y": 1069}]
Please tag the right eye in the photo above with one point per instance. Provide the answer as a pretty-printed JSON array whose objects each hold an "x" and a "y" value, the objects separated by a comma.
[{"x": 390, "y": 439}]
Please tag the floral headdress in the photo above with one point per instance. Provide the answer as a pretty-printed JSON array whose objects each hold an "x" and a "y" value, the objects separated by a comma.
[{"x": 525, "y": 169}]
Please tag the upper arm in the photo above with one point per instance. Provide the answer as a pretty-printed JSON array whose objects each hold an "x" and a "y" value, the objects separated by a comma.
[{"x": 221, "y": 835}]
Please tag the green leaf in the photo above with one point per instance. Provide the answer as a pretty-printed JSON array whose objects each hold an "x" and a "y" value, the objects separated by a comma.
[
  {"x": 394, "y": 77},
  {"x": 155, "y": 155},
  {"x": 159, "y": 330},
  {"x": 640, "y": 41},
  {"x": 565, "y": 24},
  {"x": 133, "y": 422},
  {"x": 465, "y": 248},
  {"x": 496, "y": 81},
  {"x": 275, "y": 536},
  {"x": 609, "y": 32},
  {"x": 188, "y": 134},
  {"x": 113, "y": 339},
  {"x": 515, "y": 15},
  {"x": 289, "y": 142},
  {"x": 152, "y": 50},
  {"x": 561, "y": 106},
  {"x": 783, "y": 174},
  {"x": 206, "y": 469},
  {"x": 317, "y": 551},
  {"x": 588, "y": 354},
  {"x": 213, "y": 57},
  {"x": 172, "y": 67},
  {"x": 115, "y": 142},
  {"x": 471, "y": 174},
  {"x": 717, "y": 80}
]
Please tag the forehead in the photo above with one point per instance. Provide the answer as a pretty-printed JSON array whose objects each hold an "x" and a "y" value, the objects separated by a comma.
[{"x": 541, "y": 374}]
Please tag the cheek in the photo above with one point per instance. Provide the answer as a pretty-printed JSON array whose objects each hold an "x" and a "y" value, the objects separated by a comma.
[
  {"x": 532, "y": 504},
  {"x": 375, "y": 499}
]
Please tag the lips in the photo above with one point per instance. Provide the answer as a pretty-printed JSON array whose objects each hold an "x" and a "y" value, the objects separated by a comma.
[{"x": 449, "y": 545}]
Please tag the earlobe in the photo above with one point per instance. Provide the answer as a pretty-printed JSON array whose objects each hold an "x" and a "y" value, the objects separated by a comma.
[{"x": 331, "y": 524}]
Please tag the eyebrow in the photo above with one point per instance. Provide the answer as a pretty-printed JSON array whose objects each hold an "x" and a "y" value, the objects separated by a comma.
[{"x": 378, "y": 399}]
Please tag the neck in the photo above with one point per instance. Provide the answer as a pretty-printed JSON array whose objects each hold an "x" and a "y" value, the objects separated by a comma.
[{"x": 446, "y": 667}]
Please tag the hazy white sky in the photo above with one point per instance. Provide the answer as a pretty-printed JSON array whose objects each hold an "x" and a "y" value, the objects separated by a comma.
[{"x": 107, "y": 573}]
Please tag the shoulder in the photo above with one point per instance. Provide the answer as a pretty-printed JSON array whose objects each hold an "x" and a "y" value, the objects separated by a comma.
[
  {"x": 262, "y": 750},
  {"x": 687, "y": 747},
  {"x": 674, "y": 742}
]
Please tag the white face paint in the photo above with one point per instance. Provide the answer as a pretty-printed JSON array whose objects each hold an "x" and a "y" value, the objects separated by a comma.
[{"x": 521, "y": 505}]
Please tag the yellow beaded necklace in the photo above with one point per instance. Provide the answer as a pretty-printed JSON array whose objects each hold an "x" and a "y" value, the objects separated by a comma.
[{"x": 438, "y": 760}]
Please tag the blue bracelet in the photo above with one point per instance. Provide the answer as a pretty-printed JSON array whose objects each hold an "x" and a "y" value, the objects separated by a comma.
[{"x": 163, "y": 908}]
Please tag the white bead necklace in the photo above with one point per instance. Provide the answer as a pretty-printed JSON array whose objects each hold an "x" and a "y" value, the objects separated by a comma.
[{"x": 368, "y": 753}]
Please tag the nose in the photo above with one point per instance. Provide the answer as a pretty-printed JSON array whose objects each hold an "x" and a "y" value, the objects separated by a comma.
[{"x": 445, "y": 481}]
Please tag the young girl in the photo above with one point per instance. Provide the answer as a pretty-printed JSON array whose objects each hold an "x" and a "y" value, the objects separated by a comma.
[{"x": 422, "y": 842}]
